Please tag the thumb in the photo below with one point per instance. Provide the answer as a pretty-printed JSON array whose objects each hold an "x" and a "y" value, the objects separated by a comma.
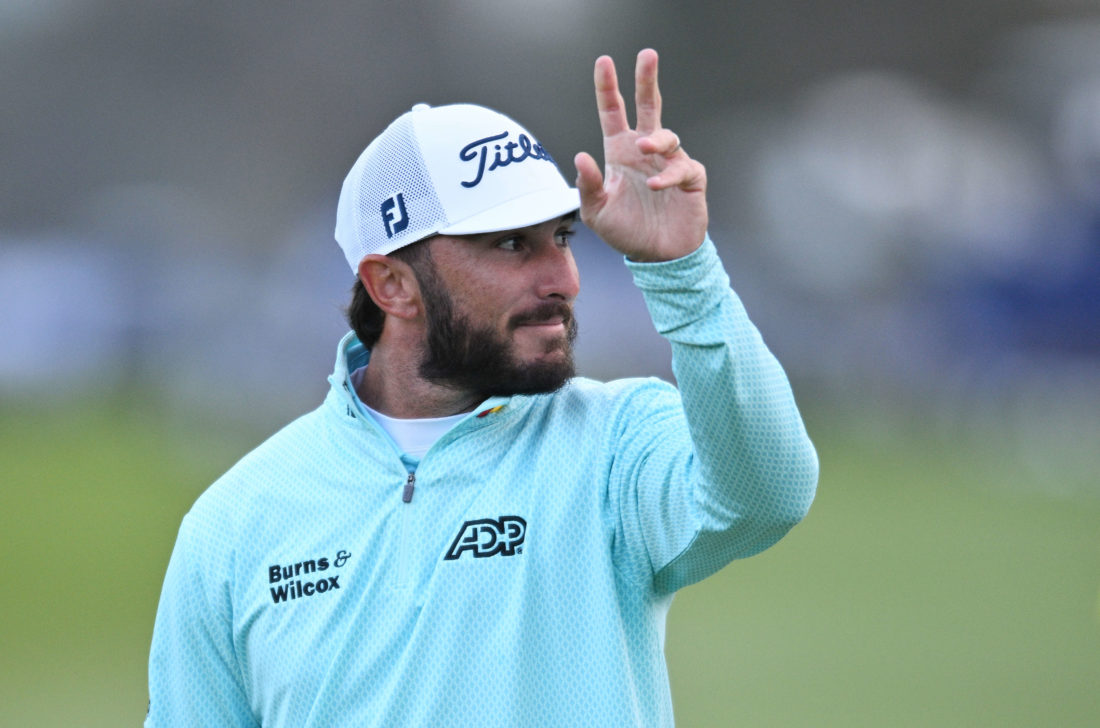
[{"x": 589, "y": 181}]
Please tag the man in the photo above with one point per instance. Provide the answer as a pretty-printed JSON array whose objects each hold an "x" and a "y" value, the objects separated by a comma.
[{"x": 464, "y": 533}]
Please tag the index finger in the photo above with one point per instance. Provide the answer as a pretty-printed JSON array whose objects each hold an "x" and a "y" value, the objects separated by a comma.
[
  {"x": 609, "y": 102},
  {"x": 647, "y": 97}
]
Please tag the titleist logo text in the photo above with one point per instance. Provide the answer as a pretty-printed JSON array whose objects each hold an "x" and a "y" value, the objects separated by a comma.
[{"x": 514, "y": 152}]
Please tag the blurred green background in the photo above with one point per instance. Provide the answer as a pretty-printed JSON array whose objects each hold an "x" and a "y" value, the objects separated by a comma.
[
  {"x": 906, "y": 195},
  {"x": 932, "y": 585}
]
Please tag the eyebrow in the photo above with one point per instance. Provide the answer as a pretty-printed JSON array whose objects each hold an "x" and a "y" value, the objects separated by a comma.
[{"x": 566, "y": 219}]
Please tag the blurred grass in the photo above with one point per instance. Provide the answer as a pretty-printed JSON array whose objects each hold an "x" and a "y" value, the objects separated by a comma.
[{"x": 930, "y": 586}]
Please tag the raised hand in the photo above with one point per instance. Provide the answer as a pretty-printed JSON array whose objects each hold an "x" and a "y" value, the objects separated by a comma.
[{"x": 651, "y": 203}]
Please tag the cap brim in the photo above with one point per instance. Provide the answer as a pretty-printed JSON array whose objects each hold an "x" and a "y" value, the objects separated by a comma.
[{"x": 530, "y": 209}]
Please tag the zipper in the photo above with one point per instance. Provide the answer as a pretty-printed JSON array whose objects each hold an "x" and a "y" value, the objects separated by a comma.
[{"x": 404, "y": 578}]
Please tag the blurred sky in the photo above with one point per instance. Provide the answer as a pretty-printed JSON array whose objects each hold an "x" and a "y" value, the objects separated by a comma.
[{"x": 906, "y": 193}]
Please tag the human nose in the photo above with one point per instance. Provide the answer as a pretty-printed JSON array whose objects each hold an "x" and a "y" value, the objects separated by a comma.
[{"x": 558, "y": 276}]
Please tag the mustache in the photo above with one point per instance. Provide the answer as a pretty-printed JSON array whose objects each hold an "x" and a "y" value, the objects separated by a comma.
[{"x": 544, "y": 312}]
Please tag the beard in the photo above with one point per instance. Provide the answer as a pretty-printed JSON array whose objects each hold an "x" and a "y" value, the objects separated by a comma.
[{"x": 479, "y": 359}]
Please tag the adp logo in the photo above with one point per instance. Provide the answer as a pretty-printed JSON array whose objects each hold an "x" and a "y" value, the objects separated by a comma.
[
  {"x": 394, "y": 216},
  {"x": 488, "y": 537}
]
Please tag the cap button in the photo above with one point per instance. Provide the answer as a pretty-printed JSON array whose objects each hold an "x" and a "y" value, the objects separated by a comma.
[{"x": 421, "y": 107}]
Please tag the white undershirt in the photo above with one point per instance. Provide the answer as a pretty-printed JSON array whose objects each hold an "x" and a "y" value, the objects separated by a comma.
[{"x": 413, "y": 436}]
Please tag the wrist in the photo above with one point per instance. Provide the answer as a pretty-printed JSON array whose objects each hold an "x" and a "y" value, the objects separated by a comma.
[{"x": 665, "y": 255}]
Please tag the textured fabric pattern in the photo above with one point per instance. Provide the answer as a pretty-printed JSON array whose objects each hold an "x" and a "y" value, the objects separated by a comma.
[{"x": 526, "y": 581}]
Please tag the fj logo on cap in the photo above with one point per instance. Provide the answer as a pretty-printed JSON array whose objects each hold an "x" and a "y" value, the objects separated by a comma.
[
  {"x": 394, "y": 216},
  {"x": 504, "y": 155}
]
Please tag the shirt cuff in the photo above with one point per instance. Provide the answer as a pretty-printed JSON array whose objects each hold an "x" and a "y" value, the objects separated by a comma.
[{"x": 681, "y": 291}]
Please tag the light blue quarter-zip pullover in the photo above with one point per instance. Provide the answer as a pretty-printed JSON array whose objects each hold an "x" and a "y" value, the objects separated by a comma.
[{"x": 519, "y": 575}]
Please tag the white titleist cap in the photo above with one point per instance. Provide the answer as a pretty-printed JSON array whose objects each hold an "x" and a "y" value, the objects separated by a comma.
[{"x": 454, "y": 170}]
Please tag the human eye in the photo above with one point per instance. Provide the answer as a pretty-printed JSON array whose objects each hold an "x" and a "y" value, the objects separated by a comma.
[
  {"x": 564, "y": 237},
  {"x": 512, "y": 242}
]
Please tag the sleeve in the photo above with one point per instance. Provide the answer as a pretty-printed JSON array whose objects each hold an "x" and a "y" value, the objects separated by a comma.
[
  {"x": 723, "y": 467},
  {"x": 194, "y": 675}
]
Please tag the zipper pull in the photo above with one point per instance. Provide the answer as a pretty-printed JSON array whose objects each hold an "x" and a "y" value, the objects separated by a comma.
[{"x": 410, "y": 484}]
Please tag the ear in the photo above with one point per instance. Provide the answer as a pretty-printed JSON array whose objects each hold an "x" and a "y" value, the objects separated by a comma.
[{"x": 392, "y": 285}]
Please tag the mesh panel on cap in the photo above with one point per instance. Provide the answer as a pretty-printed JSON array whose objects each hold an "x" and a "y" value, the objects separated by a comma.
[{"x": 395, "y": 166}]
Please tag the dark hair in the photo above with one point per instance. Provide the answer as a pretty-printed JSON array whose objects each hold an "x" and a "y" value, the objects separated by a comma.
[{"x": 363, "y": 314}]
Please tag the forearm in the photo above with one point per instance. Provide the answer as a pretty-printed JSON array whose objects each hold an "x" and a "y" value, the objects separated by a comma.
[{"x": 754, "y": 470}]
